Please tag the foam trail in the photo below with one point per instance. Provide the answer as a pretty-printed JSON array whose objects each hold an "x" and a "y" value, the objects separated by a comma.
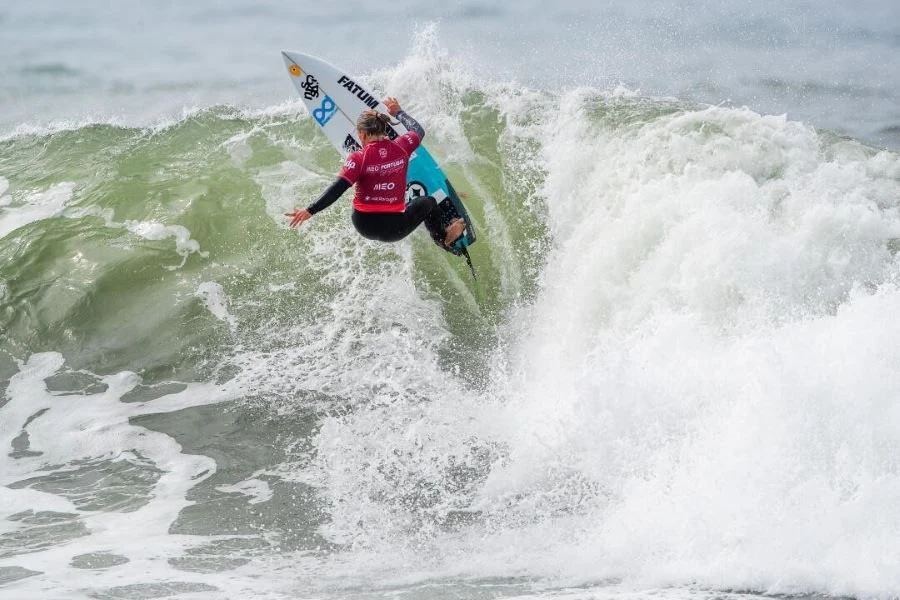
[
  {"x": 62, "y": 434},
  {"x": 184, "y": 244},
  {"x": 216, "y": 301},
  {"x": 35, "y": 207}
]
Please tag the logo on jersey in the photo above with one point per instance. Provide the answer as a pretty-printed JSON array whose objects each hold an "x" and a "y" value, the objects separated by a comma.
[
  {"x": 356, "y": 90},
  {"x": 311, "y": 87},
  {"x": 387, "y": 168},
  {"x": 415, "y": 189},
  {"x": 382, "y": 152},
  {"x": 324, "y": 113},
  {"x": 351, "y": 145},
  {"x": 350, "y": 165}
]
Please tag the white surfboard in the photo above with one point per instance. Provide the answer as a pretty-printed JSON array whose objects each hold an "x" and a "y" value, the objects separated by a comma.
[
  {"x": 335, "y": 100},
  {"x": 336, "y": 125}
]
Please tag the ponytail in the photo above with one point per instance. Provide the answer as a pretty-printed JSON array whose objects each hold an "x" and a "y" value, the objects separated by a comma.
[{"x": 374, "y": 123}]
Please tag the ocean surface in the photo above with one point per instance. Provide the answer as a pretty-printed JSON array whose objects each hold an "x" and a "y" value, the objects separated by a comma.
[{"x": 677, "y": 377}]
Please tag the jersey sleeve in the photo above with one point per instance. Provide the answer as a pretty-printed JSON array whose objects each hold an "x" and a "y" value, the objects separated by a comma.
[
  {"x": 352, "y": 168},
  {"x": 409, "y": 141}
]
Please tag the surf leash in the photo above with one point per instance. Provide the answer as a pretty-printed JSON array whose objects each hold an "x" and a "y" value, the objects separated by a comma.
[
  {"x": 479, "y": 293},
  {"x": 465, "y": 252}
]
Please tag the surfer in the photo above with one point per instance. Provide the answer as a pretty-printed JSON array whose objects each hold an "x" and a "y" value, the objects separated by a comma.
[{"x": 378, "y": 170}]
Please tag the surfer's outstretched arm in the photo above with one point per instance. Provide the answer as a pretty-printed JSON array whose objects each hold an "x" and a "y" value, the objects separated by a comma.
[{"x": 328, "y": 197}]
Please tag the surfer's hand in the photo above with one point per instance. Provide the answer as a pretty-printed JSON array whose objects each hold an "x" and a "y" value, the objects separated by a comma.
[
  {"x": 298, "y": 215},
  {"x": 392, "y": 105}
]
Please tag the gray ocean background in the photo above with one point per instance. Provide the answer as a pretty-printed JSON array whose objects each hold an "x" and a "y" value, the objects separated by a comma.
[
  {"x": 676, "y": 377},
  {"x": 831, "y": 64}
]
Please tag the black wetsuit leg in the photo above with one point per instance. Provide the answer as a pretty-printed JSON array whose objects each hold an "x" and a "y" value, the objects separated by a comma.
[{"x": 393, "y": 227}]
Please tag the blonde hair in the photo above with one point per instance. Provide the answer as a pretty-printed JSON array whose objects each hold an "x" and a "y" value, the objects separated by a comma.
[{"x": 374, "y": 123}]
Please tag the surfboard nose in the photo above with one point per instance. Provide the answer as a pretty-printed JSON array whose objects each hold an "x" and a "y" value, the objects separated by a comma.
[{"x": 293, "y": 68}]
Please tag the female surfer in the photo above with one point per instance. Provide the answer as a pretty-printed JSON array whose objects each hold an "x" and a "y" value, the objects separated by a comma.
[{"x": 378, "y": 170}]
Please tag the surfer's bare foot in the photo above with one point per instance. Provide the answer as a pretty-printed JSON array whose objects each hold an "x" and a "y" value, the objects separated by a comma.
[{"x": 453, "y": 231}]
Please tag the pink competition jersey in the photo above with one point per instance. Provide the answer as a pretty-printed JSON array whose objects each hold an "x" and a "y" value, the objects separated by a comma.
[{"x": 379, "y": 172}]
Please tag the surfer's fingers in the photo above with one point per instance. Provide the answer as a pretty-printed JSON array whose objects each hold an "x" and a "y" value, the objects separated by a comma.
[
  {"x": 300, "y": 217},
  {"x": 392, "y": 105}
]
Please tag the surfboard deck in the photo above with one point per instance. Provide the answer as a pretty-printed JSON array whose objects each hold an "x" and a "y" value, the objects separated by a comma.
[{"x": 335, "y": 100}]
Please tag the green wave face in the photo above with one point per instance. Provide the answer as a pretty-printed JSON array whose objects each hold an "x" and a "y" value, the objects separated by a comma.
[{"x": 134, "y": 221}]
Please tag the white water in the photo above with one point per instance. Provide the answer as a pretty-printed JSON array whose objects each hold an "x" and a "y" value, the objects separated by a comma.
[
  {"x": 703, "y": 393},
  {"x": 64, "y": 433}
]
